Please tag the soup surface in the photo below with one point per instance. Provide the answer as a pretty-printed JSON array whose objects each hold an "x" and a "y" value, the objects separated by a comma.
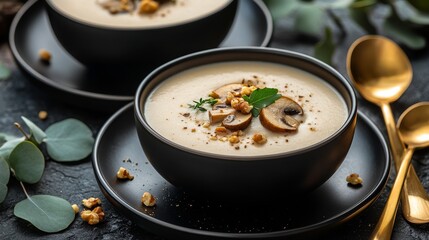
[
  {"x": 91, "y": 12},
  {"x": 167, "y": 109}
]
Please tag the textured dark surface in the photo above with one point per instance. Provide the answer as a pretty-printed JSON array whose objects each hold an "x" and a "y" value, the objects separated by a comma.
[{"x": 76, "y": 181}]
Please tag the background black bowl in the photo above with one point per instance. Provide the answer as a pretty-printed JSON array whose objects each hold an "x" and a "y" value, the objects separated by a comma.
[
  {"x": 103, "y": 46},
  {"x": 235, "y": 177}
]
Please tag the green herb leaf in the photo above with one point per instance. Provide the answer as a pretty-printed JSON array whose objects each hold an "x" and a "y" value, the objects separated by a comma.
[
  {"x": 7, "y": 147},
  {"x": 27, "y": 162},
  {"x": 325, "y": 49},
  {"x": 4, "y": 179},
  {"x": 35, "y": 131},
  {"x": 200, "y": 104},
  {"x": 310, "y": 20},
  {"x": 261, "y": 98},
  {"x": 69, "y": 140},
  {"x": 47, "y": 213},
  {"x": 4, "y": 72}
]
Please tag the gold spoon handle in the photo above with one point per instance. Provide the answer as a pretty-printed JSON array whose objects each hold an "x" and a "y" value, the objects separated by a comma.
[
  {"x": 383, "y": 229},
  {"x": 396, "y": 145},
  {"x": 413, "y": 194}
]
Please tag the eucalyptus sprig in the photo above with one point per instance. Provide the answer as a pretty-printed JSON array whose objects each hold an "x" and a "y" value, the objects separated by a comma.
[
  {"x": 68, "y": 140},
  {"x": 405, "y": 21}
]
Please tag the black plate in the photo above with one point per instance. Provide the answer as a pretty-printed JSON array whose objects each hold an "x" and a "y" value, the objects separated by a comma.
[
  {"x": 179, "y": 215},
  {"x": 74, "y": 83}
]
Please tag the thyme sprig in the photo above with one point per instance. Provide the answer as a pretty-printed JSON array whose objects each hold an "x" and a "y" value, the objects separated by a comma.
[{"x": 201, "y": 104}]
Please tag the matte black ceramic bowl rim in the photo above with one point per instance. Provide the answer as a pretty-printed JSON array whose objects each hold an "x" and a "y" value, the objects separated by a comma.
[
  {"x": 115, "y": 28},
  {"x": 259, "y": 50}
]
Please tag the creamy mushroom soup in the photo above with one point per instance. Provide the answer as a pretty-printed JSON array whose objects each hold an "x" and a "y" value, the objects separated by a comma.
[
  {"x": 180, "y": 11},
  {"x": 202, "y": 109}
]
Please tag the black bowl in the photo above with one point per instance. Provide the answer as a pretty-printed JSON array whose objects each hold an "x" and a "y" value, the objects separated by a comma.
[
  {"x": 236, "y": 177},
  {"x": 97, "y": 45}
]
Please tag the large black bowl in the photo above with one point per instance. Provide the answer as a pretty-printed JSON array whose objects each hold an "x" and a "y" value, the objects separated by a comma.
[
  {"x": 240, "y": 177},
  {"x": 98, "y": 45}
]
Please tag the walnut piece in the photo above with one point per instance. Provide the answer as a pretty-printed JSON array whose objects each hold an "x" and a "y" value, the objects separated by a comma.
[
  {"x": 259, "y": 138},
  {"x": 148, "y": 200},
  {"x": 75, "y": 208},
  {"x": 91, "y": 202},
  {"x": 92, "y": 217},
  {"x": 354, "y": 179},
  {"x": 45, "y": 55},
  {"x": 123, "y": 173}
]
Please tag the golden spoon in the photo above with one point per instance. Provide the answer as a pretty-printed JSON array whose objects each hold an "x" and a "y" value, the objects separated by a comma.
[
  {"x": 413, "y": 128},
  {"x": 381, "y": 72}
]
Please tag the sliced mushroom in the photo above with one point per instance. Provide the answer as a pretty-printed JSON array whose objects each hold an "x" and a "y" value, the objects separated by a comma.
[
  {"x": 222, "y": 92},
  {"x": 281, "y": 116},
  {"x": 237, "y": 121},
  {"x": 217, "y": 115}
]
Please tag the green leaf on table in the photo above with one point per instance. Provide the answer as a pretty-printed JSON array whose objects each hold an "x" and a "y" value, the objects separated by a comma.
[
  {"x": 4, "y": 72},
  {"x": 310, "y": 20},
  {"x": 4, "y": 172},
  {"x": 334, "y": 4},
  {"x": 8, "y": 146},
  {"x": 4, "y": 179},
  {"x": 4, "y": 138},
  {"x": 325, "y": 49},
  {"x": 421, "y": 5},
  {"x": 280, "y": 8},
  {"x": 47, "y": 213},
  {"x": 261, "y": 98},
  {"x": 27, "y": 162},
  {"x": 35, "y": 131},
  {"x": 402, "y": 33},
  {"x": 361, "y": 18},
  {"x": 3, "y": 192},
  {"x": 69, "y": 140}
]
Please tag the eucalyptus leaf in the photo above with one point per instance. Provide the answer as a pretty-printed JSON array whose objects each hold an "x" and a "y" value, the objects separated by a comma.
[
  {"x": 7, "y": 147},
  {"x": 325, "y": 49},
  {"x": 4, "y": 179},
  {"x": 47, "y": 213},
  {"x": 4, "y": 138},
  {"x": 421, "y": 5},
  {"x": 27, "y": 162},
  {"x": 310, "y": 20},
  {"x": 4, "y": 172},
  {"x": 402, "y": 33},
  {"x": 4, "y": 72},
  {"x": 35, "y": 131},
  {"x": 69, "y": 140},
  {"x": 335, "y": 4},
  {"x": 361, "y": 18},
  {"x": 3, "y": 192},
  {"x": 280, "y": 8}
]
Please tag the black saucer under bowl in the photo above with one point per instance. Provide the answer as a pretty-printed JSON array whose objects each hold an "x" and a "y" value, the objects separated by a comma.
[{"x": 178, "y": 215}]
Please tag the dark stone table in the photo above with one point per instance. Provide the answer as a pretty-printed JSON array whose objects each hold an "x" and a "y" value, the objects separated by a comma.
[{"x": 18, "y": 97}]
